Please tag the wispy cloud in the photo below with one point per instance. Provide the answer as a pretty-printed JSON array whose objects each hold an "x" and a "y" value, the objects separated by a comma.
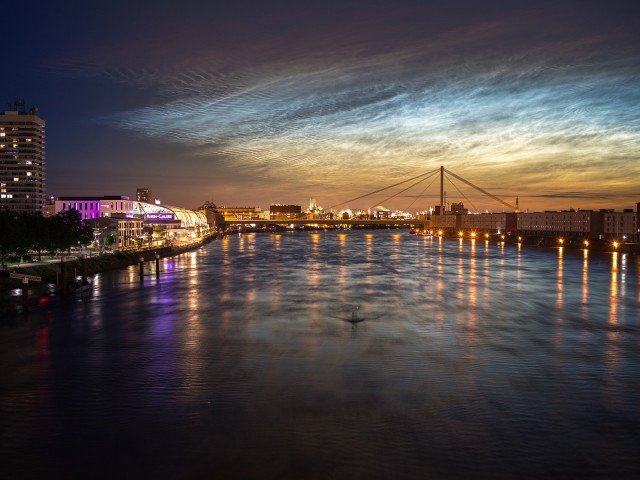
[{"x": 340, "y": 110}]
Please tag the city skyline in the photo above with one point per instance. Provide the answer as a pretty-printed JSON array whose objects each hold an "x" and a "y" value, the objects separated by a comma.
[{"x": 251, "y": 104}]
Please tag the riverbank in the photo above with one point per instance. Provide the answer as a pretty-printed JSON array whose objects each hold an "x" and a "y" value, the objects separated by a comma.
[{"x": 50, "y": 271}]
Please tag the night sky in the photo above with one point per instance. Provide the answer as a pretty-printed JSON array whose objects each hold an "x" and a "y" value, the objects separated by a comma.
[{"x": 248, "y": 103}]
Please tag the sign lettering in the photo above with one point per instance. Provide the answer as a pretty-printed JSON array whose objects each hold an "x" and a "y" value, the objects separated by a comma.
[
  {"x": 20, "y": 276},
  {"x": 161, "y": 217}
]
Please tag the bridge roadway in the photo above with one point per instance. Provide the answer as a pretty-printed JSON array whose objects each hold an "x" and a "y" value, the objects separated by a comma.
[{"x": 355, "y": 222}]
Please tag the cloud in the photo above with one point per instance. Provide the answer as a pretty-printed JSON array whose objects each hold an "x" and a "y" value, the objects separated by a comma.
[{"x": 526, "y": 100}]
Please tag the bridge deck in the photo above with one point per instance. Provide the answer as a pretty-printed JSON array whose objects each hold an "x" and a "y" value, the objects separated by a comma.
[{"x": 297, "y": 221}]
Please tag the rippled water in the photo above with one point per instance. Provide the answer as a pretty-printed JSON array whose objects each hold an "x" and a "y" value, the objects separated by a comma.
[{"x": 473, "y": 360}]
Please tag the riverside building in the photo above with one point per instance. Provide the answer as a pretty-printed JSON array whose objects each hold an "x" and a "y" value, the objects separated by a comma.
[
  {"x": 241, "y": 213},
  {"x": 22, "y": 160},
  {"x": 284, "y": 212},
  {"x": 124, "y": 232},
  {"x": 161, "y": 224},
  {"x": 622, "y": 225},
  {"x": 96, "y": 207},
  {"x": 489, "y": 222},
  {"x": 570, "y": 223}
]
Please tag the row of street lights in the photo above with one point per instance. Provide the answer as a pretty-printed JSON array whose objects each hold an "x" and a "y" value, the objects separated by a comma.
[{"x": 615, "y": 244}]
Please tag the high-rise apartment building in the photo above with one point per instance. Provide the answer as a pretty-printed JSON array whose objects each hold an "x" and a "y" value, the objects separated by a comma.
[
  {"x": 22, "y": 160},
  {"x": 143, "y": 194}
]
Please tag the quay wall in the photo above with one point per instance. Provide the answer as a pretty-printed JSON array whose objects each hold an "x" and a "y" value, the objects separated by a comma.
[{"x": 96, "y": 264}]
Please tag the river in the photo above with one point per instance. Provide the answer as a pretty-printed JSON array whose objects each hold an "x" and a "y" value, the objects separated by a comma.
[{"x": 468, "y": 360}]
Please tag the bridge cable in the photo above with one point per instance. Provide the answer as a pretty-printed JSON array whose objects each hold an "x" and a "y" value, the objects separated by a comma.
[
  {"x": 460, "y": 192},
  {"x": 480, "y": 189},
  {"x": 419, "y": 196},
  {"x": 405, "y": 189},
  {"x": 383, "y": 189}
]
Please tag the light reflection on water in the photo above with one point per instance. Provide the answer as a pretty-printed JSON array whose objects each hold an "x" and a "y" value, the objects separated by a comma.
[{"x": 478, "y": 359}]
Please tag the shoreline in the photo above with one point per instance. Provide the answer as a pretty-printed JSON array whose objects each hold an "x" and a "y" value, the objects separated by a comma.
[{"x": 97, "y": 264}]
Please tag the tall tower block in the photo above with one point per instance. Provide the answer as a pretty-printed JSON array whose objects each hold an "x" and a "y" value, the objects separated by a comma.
[{"x": 22, "y": 160}]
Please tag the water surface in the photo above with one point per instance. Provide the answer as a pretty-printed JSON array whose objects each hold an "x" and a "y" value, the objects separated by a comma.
[{"x": 474, "y": 360}]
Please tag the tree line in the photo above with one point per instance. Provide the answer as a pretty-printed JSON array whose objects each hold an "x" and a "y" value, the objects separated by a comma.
[{"x": 22, "y": 233}]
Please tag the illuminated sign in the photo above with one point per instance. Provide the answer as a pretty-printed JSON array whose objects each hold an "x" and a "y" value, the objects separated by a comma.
[{"x": 159, "y": 217}]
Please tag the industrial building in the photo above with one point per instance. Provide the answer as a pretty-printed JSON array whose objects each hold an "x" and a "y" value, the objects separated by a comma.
[
  {"x": 489, "y": 222},
  {"x": 622, "y": 225},
  {"x": 570, "y": 223}
]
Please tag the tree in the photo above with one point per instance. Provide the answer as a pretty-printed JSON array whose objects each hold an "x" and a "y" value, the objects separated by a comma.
[
  {"x": 20, "y": 233},
  {"x": 71, "y": 231},
  {"x": 108, "y": 240},
  {"x": 55, "y": 241},
  {"x": 23, "y": 237},
  {"x": 8, "y": 234},
  {"x": 39, "y": 232}
]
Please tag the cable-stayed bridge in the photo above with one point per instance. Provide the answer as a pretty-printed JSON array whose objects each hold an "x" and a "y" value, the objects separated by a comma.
[{"x": 402, "y": 187}]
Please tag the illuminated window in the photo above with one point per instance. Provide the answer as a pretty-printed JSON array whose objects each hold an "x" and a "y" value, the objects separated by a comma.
[
  {"x": 28, "y": 174},
  {"x": 28, "y": 162},
  {"x": 16, "y": 179},
  {"x": 2, "y": 134}
]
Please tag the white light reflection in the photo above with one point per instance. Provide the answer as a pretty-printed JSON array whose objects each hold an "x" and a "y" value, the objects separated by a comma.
[
  {"x": 560, "y": 280},
  {"x": 611, "y": 352},
  {"x": 585, "y": 278},
  {"x": 613, "y": 293},
  {"x": 225, "y": 284},
  {"x": 342, "y": 269},
  {"x": 368, "y": 278},
  {"x": 473, "y": 294}
]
